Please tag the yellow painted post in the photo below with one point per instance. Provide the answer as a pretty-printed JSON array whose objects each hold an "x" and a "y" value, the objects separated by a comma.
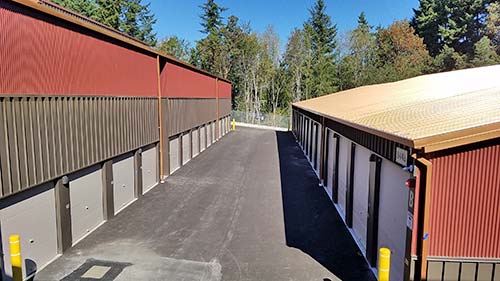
[
  {"x": 233, "y": 123},
  {"x": 384, "y": 264},
  {"x": 15, "y": 257}
]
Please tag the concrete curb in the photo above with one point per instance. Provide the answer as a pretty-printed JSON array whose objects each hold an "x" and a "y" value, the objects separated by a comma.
[{"x": 261, "y": 127}]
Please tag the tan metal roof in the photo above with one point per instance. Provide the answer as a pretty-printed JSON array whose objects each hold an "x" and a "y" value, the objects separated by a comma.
[
  {"x": 430, "y": 112},
  {"x": 61, "y": 13}
]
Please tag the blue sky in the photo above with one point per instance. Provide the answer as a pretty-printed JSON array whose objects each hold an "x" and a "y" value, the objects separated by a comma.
[{"x": 181, "y": 17}]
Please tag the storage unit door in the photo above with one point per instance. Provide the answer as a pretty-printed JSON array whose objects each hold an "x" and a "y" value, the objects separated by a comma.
[
  {"x": 34, "y": 219},
  {"x": 360, "y": 195},
  {"x": 312, "y": 157},
  {"x": 85, "y": 193},
  {"x": 306, "y": 137},
  {"x": 393, "y": 210},
  {"x": 209, "y": 134},
  {"x": 123, "y": 182},
  {"x": 186, "y": 146},
  {"x": 220, "y": 128},
  {"x": 174, "y": 154},
  {"x": 149, "y": 169},
  {"x": 213, "y": 132},
  {"x": 318, "y": 146},
  {"x": 344, "y": 154},
  {"x": 302, "y": 131},
  {"x": 203, "y": 139},
  {"x": 330, "y": 162},
  {"x": 196, "y": 142}
]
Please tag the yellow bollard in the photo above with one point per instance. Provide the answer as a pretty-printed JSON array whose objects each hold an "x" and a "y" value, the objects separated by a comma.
[
  {"x": 15, "y": 257},
  {"x": 384, "y": 264},
  {"x": 233, "y": 124}
]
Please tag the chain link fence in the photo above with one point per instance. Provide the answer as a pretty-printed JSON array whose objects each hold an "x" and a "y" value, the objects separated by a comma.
[{"x": 266, "y": 119}]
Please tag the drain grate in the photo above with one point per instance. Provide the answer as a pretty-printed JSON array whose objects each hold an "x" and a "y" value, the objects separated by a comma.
[{"x": 94, "y": 270}]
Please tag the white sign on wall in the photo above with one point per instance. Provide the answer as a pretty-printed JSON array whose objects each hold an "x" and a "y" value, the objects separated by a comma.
[{"x": 401, "y": 156}]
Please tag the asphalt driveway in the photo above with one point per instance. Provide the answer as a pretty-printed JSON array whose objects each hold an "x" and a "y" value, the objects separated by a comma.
[{"x": 248, "y": 208}]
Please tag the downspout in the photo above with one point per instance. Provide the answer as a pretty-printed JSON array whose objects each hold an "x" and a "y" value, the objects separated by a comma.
[
  {"x": 425, "y": 167},
  {"x": 160, "y": 117},
  {"x": 217, "y": 108}
]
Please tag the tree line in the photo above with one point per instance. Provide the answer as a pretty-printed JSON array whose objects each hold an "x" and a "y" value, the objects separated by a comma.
[{"x": 442, "y": 35}]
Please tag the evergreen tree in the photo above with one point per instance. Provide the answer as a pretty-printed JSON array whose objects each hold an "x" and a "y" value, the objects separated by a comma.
[
  {"x": 128, "y": 16},
  {"x": 88, "y": 8},
  {"x": 211, "y": 19},
  {"x": 209, "y": 49},
  {"x": 322, "y": 35},
  {"x": 455, "y": 24},
  {"x": 484, "y": 53},
  {"x": 493, "y": 25}
]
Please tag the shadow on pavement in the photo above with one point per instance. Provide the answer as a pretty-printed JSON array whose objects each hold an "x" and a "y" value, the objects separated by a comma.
[{"x": 312, "y": 223}]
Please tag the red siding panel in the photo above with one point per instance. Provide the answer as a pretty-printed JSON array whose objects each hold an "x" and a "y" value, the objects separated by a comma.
[
  {"x": 40, "y": 55},
  {"x": 224, "y": 89},
  {"x": 465, "y": 204},
  {"x": 179, "y": 82}
]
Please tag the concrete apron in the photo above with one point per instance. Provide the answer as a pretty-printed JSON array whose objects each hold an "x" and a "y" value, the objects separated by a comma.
[{"x": 141, "y": 261}]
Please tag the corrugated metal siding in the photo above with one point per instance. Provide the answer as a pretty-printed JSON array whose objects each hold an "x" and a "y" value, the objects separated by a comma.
[
  {"x": 41, "y": 55},
  {"x": 42, "y": 138},
  {"x": 175, "y": 83},
  {"x": 465, "y": 204},
  {"x": 224, "y": 107},
  {"x": 185, "y": 114},
  {"x": 224, "y": 90}
]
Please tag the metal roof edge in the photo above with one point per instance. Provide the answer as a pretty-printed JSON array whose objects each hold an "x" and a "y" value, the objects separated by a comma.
[
  {"x": 401, "y": 140},
  {"x": 459, "y": 138},
  {"x": 82, "y": 21},
  {"x": 432, "y": 143}
]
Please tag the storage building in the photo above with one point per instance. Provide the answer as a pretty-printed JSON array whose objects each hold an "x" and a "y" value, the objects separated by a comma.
[
  {"x": 414, "y": 166},
  {"x": 90, "y": 120}
]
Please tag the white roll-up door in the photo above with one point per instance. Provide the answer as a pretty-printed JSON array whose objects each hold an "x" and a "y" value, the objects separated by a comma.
[
  {"x": 308, "y": 137},
  {"x": 85, "y": 191},
  {"x": 186, "y": 146},
  {"x": 213, "y": 132},
  {"x": 343, "y": 170},
  {"x": 220, "y": 128},
  {"x": 149, "y": 169},
  {"x": 209, "y": 134},
  {"x": 393, "y": 210},
  {"x": 313, "y": 144},
  {"x": 330, "y": 167},
  {"x": 318, "y": 146},
  {"x": 196, "y": 142},
  {"x": 174, "y": 154},
  {"x": 34, "y": 220},
  {"x": 203, "y": 139},
  {"x": 360, "y": 194},
  {"x": 123, "y": 183}
]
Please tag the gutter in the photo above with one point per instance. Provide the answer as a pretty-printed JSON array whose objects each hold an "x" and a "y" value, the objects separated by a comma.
[{"x": 425, "y": 167}]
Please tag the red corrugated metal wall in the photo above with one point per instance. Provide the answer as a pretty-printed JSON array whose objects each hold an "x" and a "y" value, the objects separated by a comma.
[
  {"x": 175, "y": 83},
  {"x": 39, "y": 57},
  {"x": 224, "y": 89},
  {"x": 465, "y": 204}
]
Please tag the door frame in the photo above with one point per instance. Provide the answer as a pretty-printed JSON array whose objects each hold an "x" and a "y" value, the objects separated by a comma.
[{"x": 373, "y": 210}]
